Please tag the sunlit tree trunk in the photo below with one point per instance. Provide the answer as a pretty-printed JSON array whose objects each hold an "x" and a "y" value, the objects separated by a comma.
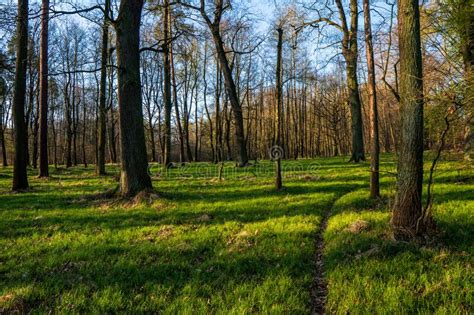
[
  {"x": 167, "y": 84},
  {"x": 230, "y": 86},
  {"x": 407, "y": 209},
  {"x": 374, "y": 120},
  {"x": 176, "y": 106},
  {"x": 100, "y": 167},
  {"x": 43, "y": 107},
  {"x": 277, "y": 151},
  {"x": 350, "y": 52}
]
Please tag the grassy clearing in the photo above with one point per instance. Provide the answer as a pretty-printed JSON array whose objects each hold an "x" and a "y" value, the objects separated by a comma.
[
  {"x": 231, "y": 246},
  {"x": 368, "y": 272}
]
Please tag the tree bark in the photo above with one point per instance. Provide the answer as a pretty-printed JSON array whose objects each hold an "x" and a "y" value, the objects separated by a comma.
[
  {"x": 242, "y": 157},
  {"x": 134, "y": 163},
  {"x": 350, "y": 52},
  {"x": 467, "y": 49},
  {"x": 100, "y": 167},
  {"x": 67, "y": 103},
  {"x": 176, "y": 107},
  {"x": 279, "y": 93},
  {"x": 407, "y": 209},
  {"x": 3, "y": 95},
  {"x": 167, "y": 84},
  {"x": 374, "y": 119},
  {"x": 20, "y": 177},
  {"x": 43, "y": 114}
]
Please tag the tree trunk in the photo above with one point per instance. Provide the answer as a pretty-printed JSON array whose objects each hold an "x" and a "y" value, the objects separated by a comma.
[
  {"x": 68, "y": 126},
  {"x": 167, "y": 84},
  {"x": 84, "y": 123},
  {"x": 134, "y": 164},
  {"x": 186, "y": 112},
  {"x": 217, "y": 103},
  {"x": 407, "y": 209},
  {"x": 4, "y": 149},
  {"x": 350, "y": 53},
  {"x": 278, "y": 150},
  {"x": 35, "y": 136},
  {"x": 53, "y": 129},
  {"x": 43, "y": 108},
  {"x": 467, "y": 49},
  {"x": 242, "y": 157},
  {"x": 176, "y": 107},
  {"x": 20, "y": 177},
  {"x": 356, "y": 112},
  {"x": 100, "y": 167},
  {"x": 374, "y": 119},
  {"x": 209, "y": 119},
  {"x": 3, "y": 95}
]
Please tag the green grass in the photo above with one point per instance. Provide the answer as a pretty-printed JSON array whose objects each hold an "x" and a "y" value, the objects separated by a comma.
[
  {"x": 232, "y": 246},
  {"x": 368, "y": 272}
]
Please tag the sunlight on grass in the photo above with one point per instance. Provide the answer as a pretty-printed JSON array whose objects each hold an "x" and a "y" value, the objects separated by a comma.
[{"x": 232, "y": 246}]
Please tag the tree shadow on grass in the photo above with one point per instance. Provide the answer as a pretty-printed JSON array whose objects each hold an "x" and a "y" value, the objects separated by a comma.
[{"x": 143, "y": 269}]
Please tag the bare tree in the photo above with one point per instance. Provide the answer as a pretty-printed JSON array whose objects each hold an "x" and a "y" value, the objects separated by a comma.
[
  {"x": 100, "y": 167},
  {"x": 374, "y": 119},
  {"x": 134, "y": 162},
  {"x": 220, "y": 6},
  {"x": 350, "y": 53},
  {"x": 20, "y": 177},
  {"x": 43, "y": 107},
  {"x": 407, "y": 209},
  {"x": 3, "y": 99},
  {"x": 279, "y": 104},
  {"x": 167, "y": 82}
]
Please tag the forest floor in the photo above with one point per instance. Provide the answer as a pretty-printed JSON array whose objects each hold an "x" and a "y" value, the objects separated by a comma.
[{"x": 202, "y": 245}]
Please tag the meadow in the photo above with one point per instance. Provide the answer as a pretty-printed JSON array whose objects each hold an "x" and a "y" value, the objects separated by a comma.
[{"x": 232, "y": 245}]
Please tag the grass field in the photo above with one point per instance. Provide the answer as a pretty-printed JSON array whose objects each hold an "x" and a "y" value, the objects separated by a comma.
[{"x": 233, "y": 246}]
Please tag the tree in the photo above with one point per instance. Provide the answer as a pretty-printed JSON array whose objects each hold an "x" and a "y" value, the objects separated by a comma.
[
  {"x": 350, "y": 53},
  {"x": 464, "y": 18},
  {"x": 3, "y": 97},
  {"x": 100, "y": 167},
  {"x": 279, "y": 104},
  {"x": 215, "y": 29},
  {"x": 167, "y": 83},
  {"x": 43, "y": 107},
  {"x": 374, "y": 120},
  {"x": 20, "y": 176},
  {"x": 134, "y": 163},
  {"x": 407, "y": 221}
]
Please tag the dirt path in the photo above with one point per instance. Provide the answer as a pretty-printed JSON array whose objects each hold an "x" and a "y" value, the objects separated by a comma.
[{"x": 319, "y": 286}]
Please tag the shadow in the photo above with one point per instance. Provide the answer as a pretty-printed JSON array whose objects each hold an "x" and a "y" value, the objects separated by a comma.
[{"x": 135, "y": 270}]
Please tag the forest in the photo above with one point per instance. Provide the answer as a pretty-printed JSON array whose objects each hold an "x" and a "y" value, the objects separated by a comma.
[{"x": 237, "y": 156}]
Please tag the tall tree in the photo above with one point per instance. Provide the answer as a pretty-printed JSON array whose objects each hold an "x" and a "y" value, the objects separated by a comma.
[
  {"x": 167, "y": 83},
  {"x": 279, "y": 103},
  {"x": 464, "y": 16},
  {"x": 134, "y": 163},
  {"x": 43, "y": 107},
  {"x": 100, "y": 167},
  {"x": 176, "y": 105},
  {"x": 220, "y": 6},
  {"x": 3, "y": 97},
  {"x": 374, "y": 119},
  {"x": 20, "y": 176},
  {"x": 350, "y": 52},
  {"x": 407, "y": 220}
]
